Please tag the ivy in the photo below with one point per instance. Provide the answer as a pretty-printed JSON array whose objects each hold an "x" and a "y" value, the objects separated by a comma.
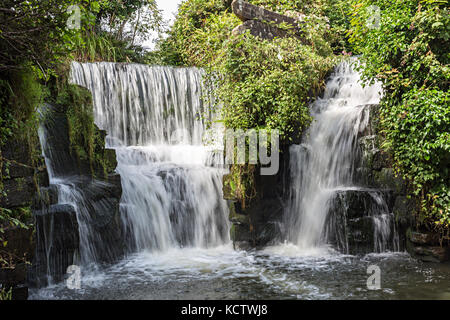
[{"x": 408, "y": 52}]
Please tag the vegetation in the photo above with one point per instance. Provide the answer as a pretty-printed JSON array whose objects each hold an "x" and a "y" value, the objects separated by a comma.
[
  {"x": 408, "y": 52},
  {"x": 269, "y": 84}
]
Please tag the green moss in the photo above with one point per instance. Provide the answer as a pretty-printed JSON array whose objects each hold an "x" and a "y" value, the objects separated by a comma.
[{"x": 87, "y": 142}]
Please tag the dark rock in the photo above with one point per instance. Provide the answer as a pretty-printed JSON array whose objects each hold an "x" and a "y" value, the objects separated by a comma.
[
  {"x": 110, "y": 159},
  {"x": 263, "y": 23},
  {"x": 236, "y": 218},
  {"x": 20, "y": 243},
  {"x": 351, "y": 222},
  {"x": 359, "y": 203},
  {"x": 405, "y": 210},
  {"x": 387, "y": 179},
  {"x": 373, "y": 127},
  {"x": 424, "y": 238},
  {"x": 380, "y": 160},
  {"x": 45, "y": 197},
  {"x": 58, "y": 145},
  {"x": 258, "y": 223},
  {"x": 10, "y": 277},
  {"x": 15, "y": 279},
  {"x": 241, "y": 233},
  {"x": 246, "y": 11},
  {"x": 57, "y": 243},
  {"x": 432, "y": 254},
  {"x": 19, "y": 192}
]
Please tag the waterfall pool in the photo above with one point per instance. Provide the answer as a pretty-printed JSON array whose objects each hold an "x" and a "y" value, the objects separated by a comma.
[{"x": 282, "y": 272}]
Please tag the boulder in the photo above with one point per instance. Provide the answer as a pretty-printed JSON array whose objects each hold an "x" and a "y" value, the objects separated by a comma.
[
  {"x": 351, "y": 224},
  {"x": 263, "y": 23},
  {"x": 19, "y": 192},
  {"x": 432, "y": 254},
  {"x": 246, "y": 11},
  {"x": 57, "y": 243},
  {"x": 387, "y": 179},
  {"x": 424, "y": 238}
]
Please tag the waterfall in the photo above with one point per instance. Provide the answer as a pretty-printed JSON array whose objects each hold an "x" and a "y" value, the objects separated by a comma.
[
  {"x": 171, "y": 176},
  {"x": 90, "y": 203},
  {"x": 324, "y": 166}
]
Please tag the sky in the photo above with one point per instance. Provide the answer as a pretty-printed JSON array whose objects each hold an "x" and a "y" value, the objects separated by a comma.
[{"x": 169, "y": 8}]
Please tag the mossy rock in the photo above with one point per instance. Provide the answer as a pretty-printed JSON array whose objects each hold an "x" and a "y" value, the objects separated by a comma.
[
  {"x": 110, "y": 160},
  {"x": 404, "y": 210},
  {"x": 228, "y": 192},
  {"x": 386, "y": 179}
]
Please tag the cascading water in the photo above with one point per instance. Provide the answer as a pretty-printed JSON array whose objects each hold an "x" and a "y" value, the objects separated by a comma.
[
  {"x": 326, "y": 162},
  {"x": 91, "y": 203},
  {"x": 157, "y": 122},
  {"x": 172, "y": 198}
]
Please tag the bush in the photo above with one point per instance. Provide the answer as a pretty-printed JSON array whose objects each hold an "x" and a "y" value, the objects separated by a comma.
[
  {"x": 269, "y": 84},
  {"x": 409, "y": 54}
]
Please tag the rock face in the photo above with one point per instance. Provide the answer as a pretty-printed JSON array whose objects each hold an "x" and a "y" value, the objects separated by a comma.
[
  {"x": 23, "y": 172},
  {"x": 57, "y": 243},
  {"x": 376, "y": 171},
  {"x": 20, "y": 248},
  {"x": 263, "y": 23},
  {"x": 357, "y": 219},
  {"x": 259, "y": 223},
  {"x": 89, "y": 229},
  {"x": 57, "y": 230}
]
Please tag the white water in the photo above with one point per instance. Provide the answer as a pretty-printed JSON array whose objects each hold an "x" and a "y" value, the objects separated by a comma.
[
  {"x": 77, "y": 191},
  {"x": 325, "y": 162},
  {"x": 171, "y": 177}
]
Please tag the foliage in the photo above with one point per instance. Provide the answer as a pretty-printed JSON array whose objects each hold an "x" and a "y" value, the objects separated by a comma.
[
  {"x": 197, "y": 34},
  {"x": 242, "y": 183},
  {"x": 409, "y": 54},
  {"x": 35, "y": 31},
  {"x": 5, "y": 294},
  {"x": 143, "y": 17},
  {"x": 103, "y": 46},
  {"x": 202, "y": 27},
  {"x": 269, "y": 84},
  {"x": 260, "y": 84}
]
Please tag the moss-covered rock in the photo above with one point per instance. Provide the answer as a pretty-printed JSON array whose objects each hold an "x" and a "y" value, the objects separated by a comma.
[{"x": 387, "y": 179}]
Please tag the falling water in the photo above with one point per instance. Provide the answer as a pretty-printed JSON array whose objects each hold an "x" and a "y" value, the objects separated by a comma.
[
  {"x": 326, "y": 162},
  {"x": 172, "y": 180},
  {"x": 89, "y": 199}
]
